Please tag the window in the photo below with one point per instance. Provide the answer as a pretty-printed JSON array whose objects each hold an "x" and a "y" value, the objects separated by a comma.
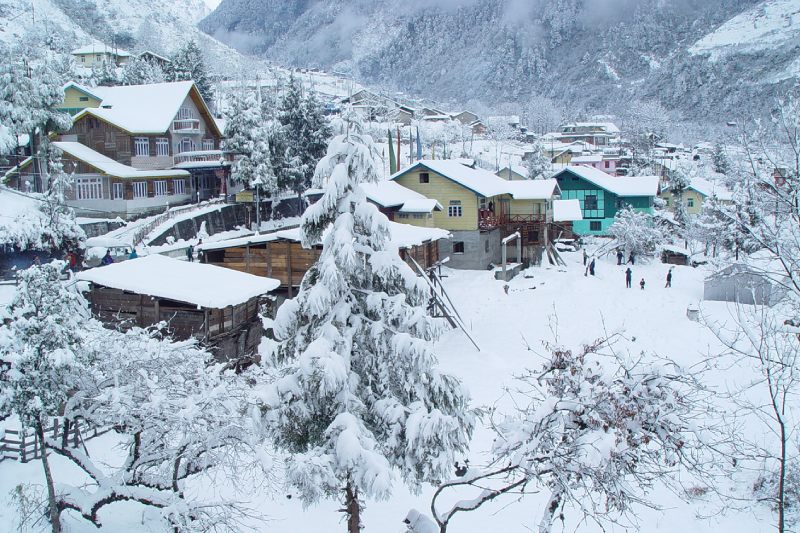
[
  {"x": 98, "y": 57},
  {"x": 424, "y": 177},
  {"x": 186, "y": 145},
  {"x": 590, "y": 202},
  {"x": 419, "y": 215},
  {"x": 83, "y": 59},
  {"x": 402, "y": 215},
  {"x": 607, "y": 164},
  {"x": 208, "y": 144},
  {"x": 88, "y": 188},
  {"x": 185, "y": 113},
  {"x": 454, "y": 209},
  {"x": 458, "y": 247},
  {"x": 690, "y": 202},
  {"x": 482, "y": 203},
  {"x": 179, "y": 186},
  {"x": 162, "y": 146},
  {"x": 124, "y": 145},
  {"x": 142, "y": 145},
  {"x": 594, "y": 225},
  {"x": 111, "y": 139},
  {"x": 83, "y": 98},
  {"x": 666, "y": 202},
  {"x": 161, "y": 188},
  {"x": 140, "y": 189},
  {"x": 117, "y": 191},
  {"x": 533, "y": 237}
]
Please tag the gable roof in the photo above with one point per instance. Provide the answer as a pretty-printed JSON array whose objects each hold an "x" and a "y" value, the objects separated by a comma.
[
  {"x": 99, "y": 48},
  {"x": 145, "y": 109},
  {"x": 106, "y": 165},
  {"x": 390, "y": 194},
  {"x": 619, "y": 185},
  {"x": 183, "y": 281},
  {"x": 709, "y": 188},
  {"x": 481, "y": 182},
  {"x": 81, "y": 88}
]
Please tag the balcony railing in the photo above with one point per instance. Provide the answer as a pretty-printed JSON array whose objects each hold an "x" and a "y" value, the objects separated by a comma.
[
  {"x": 211, "y": 156},
  {"x": 186, "y": 125},
  {"x": 488, "y": 220}
]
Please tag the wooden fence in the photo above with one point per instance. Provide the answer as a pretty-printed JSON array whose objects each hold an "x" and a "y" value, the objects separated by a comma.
[{"x": 23, "y": 445}]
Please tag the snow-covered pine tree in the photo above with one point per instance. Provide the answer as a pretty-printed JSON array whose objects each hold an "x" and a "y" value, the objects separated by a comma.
[
  {"x": 139, "y": 71},
  {"x": 61, "y": 230},
  {"x": 720, "y": 159},
  {"x": 679, "y": 180},
  {"x": 243, "y": 122},
  {"x": 264, "y": 180},
  {"x": 305, "y": 132},
  {"x": 188, "y": 64},
  {"x": 359, "y": 391},
  {"x": 31, "y": 86},
  {"x": 538, "y": 164},
  {"x": 105, "y": 74},
  {"x": 42, "y": 357}
]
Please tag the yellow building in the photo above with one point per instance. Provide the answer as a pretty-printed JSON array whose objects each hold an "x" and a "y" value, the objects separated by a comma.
[
  {"x": 97, "y": 53},
  {"x": 77, "y": 98},
  {"x": 696, "y": 194}
]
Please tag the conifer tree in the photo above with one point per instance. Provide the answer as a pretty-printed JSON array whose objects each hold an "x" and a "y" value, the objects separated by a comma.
[
  {"x": 359, "y": 392},
  {"x": 141, "y": 72},
  {"x": 537, "y": 164},
  {"x": 188, "y": 64},
  {"x": 243, "y": 121}
]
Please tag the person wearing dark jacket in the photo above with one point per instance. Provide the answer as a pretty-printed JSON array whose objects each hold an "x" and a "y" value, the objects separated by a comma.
[
  {"x": 591, "y": 267},
  {"x": 669, "y": 279},
  {"x": 641, "y": 284},
  {"x": 620, "y": 256},
  {"x": 107, "y": 259},
  {"x": 585, "y": 257},
  {"x": 631, "y": 259},
  {"x": 190, "y": 253},
  {"x": 628, "y": 277}
]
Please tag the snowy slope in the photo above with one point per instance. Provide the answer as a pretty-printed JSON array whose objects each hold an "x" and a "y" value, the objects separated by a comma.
[
  {"x": 579, "y": 310},
  {"x": 764, "y": 27}
]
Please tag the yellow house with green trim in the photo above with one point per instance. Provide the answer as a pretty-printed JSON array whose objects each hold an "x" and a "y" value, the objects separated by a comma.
[
  {"x": 78, "y": 97},
  {"x": 480, "y": 208},
  {"x": 696, "y": 194},
  {"x": 97, "y": 53}
]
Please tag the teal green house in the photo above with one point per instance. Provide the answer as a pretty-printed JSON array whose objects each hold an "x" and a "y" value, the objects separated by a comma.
[{"x": 602, "y": 195}]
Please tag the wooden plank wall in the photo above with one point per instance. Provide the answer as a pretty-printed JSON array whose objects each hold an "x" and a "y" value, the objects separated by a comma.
[{"x": 286, "y": 261}]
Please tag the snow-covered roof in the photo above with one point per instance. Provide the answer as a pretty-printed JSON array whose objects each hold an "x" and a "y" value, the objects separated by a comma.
[
  {"x": 99, "y": 48},
  {"x": 479, "y": 181},
  {"x": 709, "y": 188},
  {"x": 567, "y": 210},
  {"x": 518, "y": 169},
  {"x": 532, "y": 189},
  {"x": 144, "y": 109},
  {"x": 402, "y": 235},
  {"x": 82, "y": 88},
  {"x": 607, "y": 127},
  {"x": 195, "y": 283},
  {"x": 153, "y": 54},
  {"x": 108, "y": 166},
  {"x": 619, "y": 185},
  {"x": 390, "y": 194},
  {"x": 591, "y": 158}
]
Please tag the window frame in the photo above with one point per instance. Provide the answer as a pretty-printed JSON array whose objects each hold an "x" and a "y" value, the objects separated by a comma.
[
  {"x": 160, "y": 188},
  {"x": 162, "y": 145},
  {"x": 88, "y": 188},
  {"x": 595, "y": 225},
  {"x": 138, "y": 187},
  {"x": 117, "y": 191},
  {"x": 458, "y": 247},
  {"x": 208, "y": 144},
  {"x": 455, "y": 210},
  {"x": 424, "y": 177},
  {"x": 179, "y": 186},
  {"x": 141, "y": 147},
  {"x": 586, "y": 205}
]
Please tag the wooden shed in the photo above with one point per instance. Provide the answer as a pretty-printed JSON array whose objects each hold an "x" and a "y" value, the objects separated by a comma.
[
  {"x": 280, "y": 254},
  {"x": 215, "y": 305}
]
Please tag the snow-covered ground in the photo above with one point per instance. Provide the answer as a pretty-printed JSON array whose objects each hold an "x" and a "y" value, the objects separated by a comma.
[{"x": 561, "y": 301}]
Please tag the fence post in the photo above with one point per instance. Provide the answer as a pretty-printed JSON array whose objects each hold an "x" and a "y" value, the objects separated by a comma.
[{"x": 22, "y": 454}]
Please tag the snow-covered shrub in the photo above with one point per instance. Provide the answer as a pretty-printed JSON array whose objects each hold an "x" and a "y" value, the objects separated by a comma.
[{"x": 636, "y": 231}]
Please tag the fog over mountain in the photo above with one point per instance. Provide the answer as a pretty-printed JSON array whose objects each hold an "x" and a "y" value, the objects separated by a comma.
[{"x": 707, "y": 59}]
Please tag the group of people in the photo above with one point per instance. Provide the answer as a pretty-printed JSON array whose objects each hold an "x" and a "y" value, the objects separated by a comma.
[
  {"x": 621, "y": 256},
  {"x": 629, "y": 277}
]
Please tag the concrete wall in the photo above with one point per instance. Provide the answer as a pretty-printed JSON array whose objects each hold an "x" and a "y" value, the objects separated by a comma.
[{"x": 481, "y": 248}]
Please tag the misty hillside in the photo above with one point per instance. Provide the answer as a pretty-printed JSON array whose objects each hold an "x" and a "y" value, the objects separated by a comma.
[
  {"x": 134, "y": 25},
  {"x": 706, "y": 58}
]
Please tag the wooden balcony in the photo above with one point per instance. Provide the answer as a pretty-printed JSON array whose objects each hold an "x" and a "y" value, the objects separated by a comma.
[{"x": 488, "y": 220}]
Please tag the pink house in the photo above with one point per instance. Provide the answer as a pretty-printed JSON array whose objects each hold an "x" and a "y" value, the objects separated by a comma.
[{"x": 607, "y": 164}]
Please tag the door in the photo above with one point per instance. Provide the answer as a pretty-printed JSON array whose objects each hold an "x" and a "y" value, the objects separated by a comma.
[{"x": 117, "y": 191}]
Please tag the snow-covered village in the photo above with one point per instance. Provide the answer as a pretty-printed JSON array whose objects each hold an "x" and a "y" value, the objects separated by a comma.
[{"x": 434, "y": 266}]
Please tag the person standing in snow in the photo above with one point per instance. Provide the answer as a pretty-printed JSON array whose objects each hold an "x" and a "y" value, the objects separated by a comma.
[
  {"x": 631, "y": 259},
  {"x": 133, "y": 255},
  {"x": 190, "y": 253},
  {"x": 585, "y": 257},
  {"x": 107, "y": 259},
  {"x": 628, "y": 277},
  {"x": 591, "y": 267},
  {"x": 620, "y": 256},
  {"x": 641, "y": 284},
  {"x": 669, "y": 279}
]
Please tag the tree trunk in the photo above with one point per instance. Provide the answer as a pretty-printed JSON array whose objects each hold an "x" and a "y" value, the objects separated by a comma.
[
  {"x": 53, "y": 511},
  {"x": 352, "y": 508},
  {"x": 782, "y": 480}
]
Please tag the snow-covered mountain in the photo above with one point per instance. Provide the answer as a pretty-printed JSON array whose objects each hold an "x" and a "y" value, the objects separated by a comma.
[
  {"x": 705, "y": 58},
  {"x": 159, "y": 26}
]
